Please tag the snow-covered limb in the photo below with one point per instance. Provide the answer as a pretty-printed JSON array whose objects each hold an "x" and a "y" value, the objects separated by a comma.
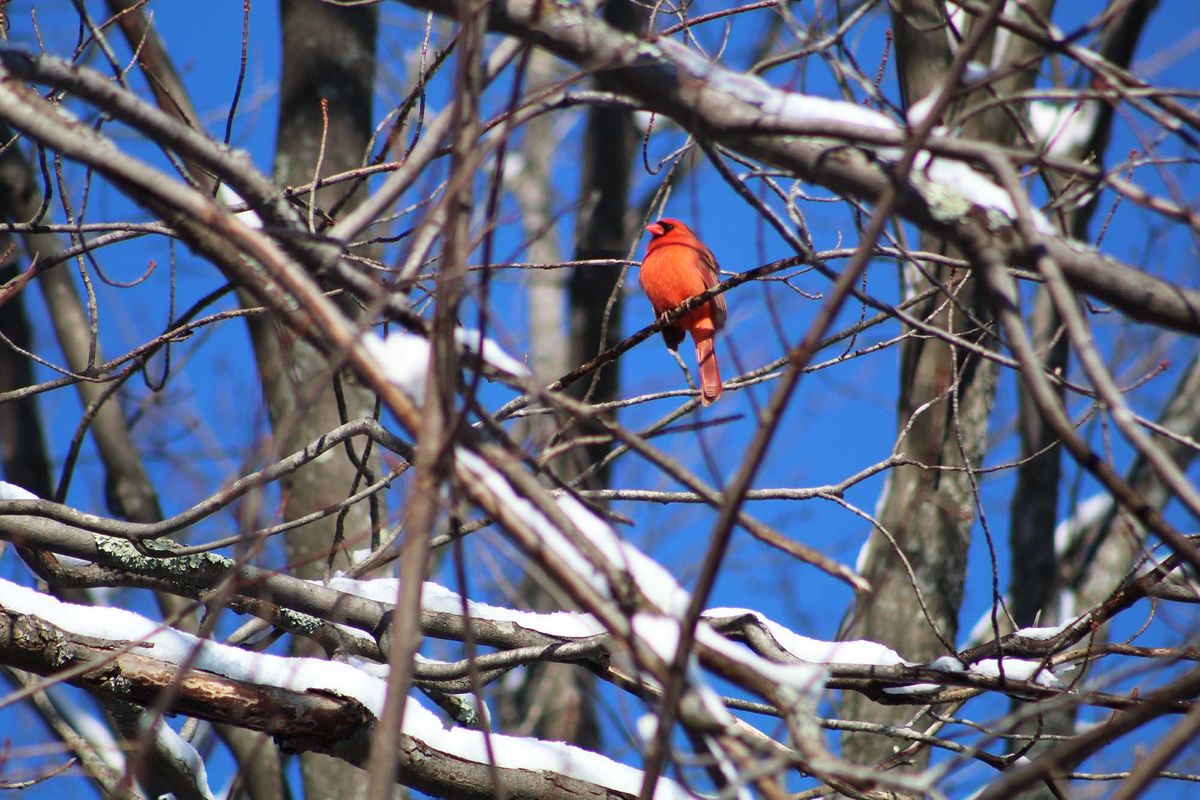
[
  {"x": 404, "y": 356},
  {"x": 438, "y": 598},
  {"x": 946, "y": 182},
  {"x": 587, "y": 549},
  {"x": 168, "y": 644},
  {"x": 133, "y": 644},
  {"x": 815, "y": 651},
  {"x": 616, "y": 574},
  {"x": 1018, "y": 670},
  {"x": 656, "y": 583},
  {"x": 360, "y": 604},
  {"x": 186, "y": 759},
  {"x": 807, "y": 673},
  {"x": 656, "y": 629},
  {"x": 879, "y": 665},
  {"x": 517, "y": 631}
]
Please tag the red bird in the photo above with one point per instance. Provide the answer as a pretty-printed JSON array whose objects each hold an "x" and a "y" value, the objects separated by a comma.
[{"x": 678, "y": 266}]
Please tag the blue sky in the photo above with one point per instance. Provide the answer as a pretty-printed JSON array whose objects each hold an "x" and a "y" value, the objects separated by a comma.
[{"x": 841, "y": 419}]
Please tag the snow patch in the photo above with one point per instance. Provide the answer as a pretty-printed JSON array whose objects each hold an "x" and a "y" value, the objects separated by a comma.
[
  {"x": 229, "y": 197},
  {"x": 1045, "y": 633},
  {"x": 916, "y": 688},
  {"x": 1017, "y": 669},
  {"x": 1064, "y": 130},
  {"x": 404, "y": 356},
  {"x": 10, "y": 491},
  {"x": 438, "y": 598},
  {"x": 817, "y": 651},
  {"x": 946, "y": 664},
  {"x": 1086, "y": 514},
  {"x": 473, "y": 340}
]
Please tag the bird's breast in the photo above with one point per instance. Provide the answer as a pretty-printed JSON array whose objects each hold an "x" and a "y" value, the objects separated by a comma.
[{"x": 670, "y": 275}]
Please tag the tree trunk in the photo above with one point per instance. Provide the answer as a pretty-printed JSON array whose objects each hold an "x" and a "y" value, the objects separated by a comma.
[
  {"x": 328, "y": 55},
  {"x": 930, "y": 513}
]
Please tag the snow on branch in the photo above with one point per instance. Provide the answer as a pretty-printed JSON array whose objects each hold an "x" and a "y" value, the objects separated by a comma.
[
  {"x": 360, "y": 605},
  {"x": 815, "y": 651},
  {"x": 436, "y": 598},
  {"x": 117, "y": 631},
  {"x": 10, "y": 491},
  {"x": 1064, "y": 129},
  {"x": 948, "y": 184},
  {"x": 404, "y": 356}
]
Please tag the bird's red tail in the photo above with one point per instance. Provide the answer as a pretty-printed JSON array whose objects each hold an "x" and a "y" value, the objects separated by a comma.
[{"x": 710, "y": 376}]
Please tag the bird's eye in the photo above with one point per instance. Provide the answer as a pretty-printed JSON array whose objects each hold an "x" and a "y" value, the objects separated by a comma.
[{"x": 666, "y": 226}]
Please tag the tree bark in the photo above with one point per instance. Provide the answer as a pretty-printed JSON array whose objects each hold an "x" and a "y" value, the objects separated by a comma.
[
  {"x": 328, "y": 56},
  {"x": 946, "y": 396}
]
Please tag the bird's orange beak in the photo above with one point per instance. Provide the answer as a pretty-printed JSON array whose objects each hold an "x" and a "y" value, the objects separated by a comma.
[{"x": 654, "y": 229}]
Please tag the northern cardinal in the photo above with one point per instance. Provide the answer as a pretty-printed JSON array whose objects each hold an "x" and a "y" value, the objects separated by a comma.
[{"x": 678, "y": 266}]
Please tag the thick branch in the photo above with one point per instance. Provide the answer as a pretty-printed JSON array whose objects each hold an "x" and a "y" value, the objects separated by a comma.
[{"x": 303, "y": 721}]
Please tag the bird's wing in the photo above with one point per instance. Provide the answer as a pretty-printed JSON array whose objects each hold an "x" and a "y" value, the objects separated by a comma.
[{"x": 712, "y": 276}]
